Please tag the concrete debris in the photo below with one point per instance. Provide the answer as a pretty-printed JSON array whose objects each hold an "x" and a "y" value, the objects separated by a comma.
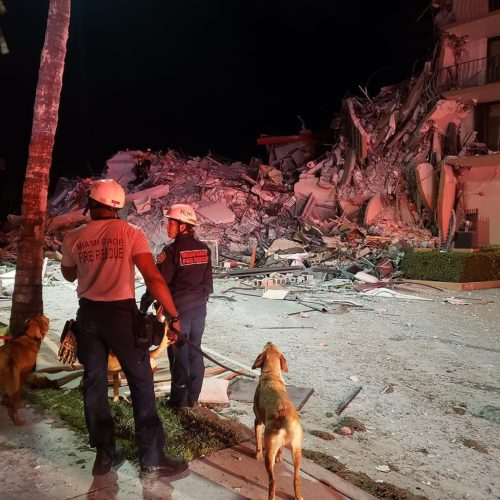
[
  {"x": 367, "y": 196},
  {"x": 217, "y": 212}
]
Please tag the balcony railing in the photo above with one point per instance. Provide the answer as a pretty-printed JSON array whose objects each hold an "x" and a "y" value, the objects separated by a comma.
[{"x": 469, "y": 74}]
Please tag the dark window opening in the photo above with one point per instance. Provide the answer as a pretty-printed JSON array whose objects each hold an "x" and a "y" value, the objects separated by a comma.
[{"x": 488, "y": 124}]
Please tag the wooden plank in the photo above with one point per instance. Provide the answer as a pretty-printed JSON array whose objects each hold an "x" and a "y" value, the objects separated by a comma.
[
  {"x": 449, "y": 285},
  {"x": 214, "y": 371},
  {"x": 233, "y": 361}
]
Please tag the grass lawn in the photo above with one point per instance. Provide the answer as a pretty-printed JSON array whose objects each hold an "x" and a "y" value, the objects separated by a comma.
[{"x": 189, "y": 433}]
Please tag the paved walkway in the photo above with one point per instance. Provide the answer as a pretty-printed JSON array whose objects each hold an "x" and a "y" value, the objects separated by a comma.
[{"x": 42, "y": 460}]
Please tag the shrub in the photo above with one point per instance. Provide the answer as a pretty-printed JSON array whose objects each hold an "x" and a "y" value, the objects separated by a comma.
[{"x": 456, "y": 267}]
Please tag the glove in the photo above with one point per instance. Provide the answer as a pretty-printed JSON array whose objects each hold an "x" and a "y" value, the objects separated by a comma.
[{"x": 67, "y": 349}]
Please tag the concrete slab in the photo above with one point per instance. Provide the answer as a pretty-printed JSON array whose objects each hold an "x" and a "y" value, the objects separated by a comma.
[
  {"x": 217, "y": 212},
  {"x": 243, "y": 389}
]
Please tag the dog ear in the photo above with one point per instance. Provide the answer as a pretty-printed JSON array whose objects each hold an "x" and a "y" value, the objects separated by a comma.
[
  {"x": 284, "y": 366},
  {"x": 259, "y": 361},
  {"x": 43, "y": 323}
]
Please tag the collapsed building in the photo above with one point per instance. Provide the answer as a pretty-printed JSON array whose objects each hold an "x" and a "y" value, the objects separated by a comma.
[{"x": 415, "y": 166}]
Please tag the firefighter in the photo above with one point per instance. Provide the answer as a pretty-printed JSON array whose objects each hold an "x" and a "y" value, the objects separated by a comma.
[
  {"x": 103, "y": 254},
  {"x": 186, "y": 266}
]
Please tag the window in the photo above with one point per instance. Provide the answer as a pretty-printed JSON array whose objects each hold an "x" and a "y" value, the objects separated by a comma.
[
  {"x": 492, "y": 135},
  {"x": 493, "y": 71},
  {"x": 488, "y": 124}
]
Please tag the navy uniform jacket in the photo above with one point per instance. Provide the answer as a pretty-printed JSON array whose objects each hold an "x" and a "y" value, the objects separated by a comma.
[{"x": 187, "y": 268}]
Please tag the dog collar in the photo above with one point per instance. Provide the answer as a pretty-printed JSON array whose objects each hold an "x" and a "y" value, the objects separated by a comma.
[{"x": 37, "y": 340}]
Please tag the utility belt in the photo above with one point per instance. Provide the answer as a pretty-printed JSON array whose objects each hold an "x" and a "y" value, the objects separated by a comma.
[{"x": 148, "y": 329}]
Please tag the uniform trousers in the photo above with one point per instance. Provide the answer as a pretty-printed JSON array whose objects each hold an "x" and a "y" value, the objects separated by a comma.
[
  {"x": 105, "y": 326},
  {"x": 186, "y": 364}
]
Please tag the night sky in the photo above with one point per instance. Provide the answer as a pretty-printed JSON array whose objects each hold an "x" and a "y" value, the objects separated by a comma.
[{"x": 198, "y": 75}]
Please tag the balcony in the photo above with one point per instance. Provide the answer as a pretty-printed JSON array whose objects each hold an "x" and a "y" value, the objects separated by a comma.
[
  {"x": 469, "y": 74},
  {"x": 466, "y": 10},
  {"x": 475, "y": 19}
]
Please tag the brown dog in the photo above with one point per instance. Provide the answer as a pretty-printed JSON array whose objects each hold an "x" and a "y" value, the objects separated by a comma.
[
  {"x": 114, "y": 367},
  {"x": 17, "y": 359},
  {"x": 274, "y": 410}
]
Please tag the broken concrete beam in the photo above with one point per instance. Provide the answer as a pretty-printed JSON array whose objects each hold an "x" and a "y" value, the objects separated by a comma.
[
  {"x": 154, "y": 192},
  {"x": 311, "y": 201},
  {"x": 446, "y": 199},
  {"x": 415, "y": 93},
  {"x": 426, "y": 183},
  {"x": 358, "y": 138},
  {"x": 247, "y": 178},
  {"x": 68, "y": 219},
  {"x": 348, "y": 167},
  {"x": 386, "y": 130}
]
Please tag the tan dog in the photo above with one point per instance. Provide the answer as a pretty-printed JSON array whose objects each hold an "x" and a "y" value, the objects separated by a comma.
[
  {"x": 17, "y": 359},
  {"x": 114, "y": 367},
  {"x": 274, "y": 410}
]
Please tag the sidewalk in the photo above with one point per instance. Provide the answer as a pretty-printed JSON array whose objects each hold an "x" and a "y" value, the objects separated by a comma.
[{"x": 41, "y": 460}]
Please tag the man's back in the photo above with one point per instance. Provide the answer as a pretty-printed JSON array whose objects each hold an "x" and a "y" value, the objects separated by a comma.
[{"x": 103, "y": 250}]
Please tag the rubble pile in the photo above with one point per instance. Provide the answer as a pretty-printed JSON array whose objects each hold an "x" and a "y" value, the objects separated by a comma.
[
  {"x": 243, "y": 220},
  {"x": 358, "y": 199}
]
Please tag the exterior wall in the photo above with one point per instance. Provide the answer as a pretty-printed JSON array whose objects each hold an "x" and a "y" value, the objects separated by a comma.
[
  {"x": 469, "y": 9},
  {"x": 472, "y": 50},
  {"x": 481, "y": 190}
]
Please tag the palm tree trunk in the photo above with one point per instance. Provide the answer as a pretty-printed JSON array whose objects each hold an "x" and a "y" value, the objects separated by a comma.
[{"x": 27, "y": 298}]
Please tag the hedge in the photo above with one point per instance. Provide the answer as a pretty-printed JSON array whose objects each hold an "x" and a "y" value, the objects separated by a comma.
[{"x": 456, "y": 267}]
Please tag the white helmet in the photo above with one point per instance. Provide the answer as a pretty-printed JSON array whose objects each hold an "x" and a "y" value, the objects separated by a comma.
[
  {"x": 182, "y": 213},
  {"x": 108, "y": 192}
]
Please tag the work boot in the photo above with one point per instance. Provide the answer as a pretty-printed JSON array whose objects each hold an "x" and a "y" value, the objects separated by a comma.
[
  {"x": 104, "y": 461},
  {"x": 166, "y": 468},
  {"x": 171, "y": 405}
]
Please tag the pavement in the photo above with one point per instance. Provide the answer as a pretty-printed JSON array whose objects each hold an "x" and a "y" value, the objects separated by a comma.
[{"x": 43, "y": 460}]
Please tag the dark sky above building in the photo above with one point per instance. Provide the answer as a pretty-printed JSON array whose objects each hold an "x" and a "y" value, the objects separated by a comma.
[{"x": 200, "y": 75}]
